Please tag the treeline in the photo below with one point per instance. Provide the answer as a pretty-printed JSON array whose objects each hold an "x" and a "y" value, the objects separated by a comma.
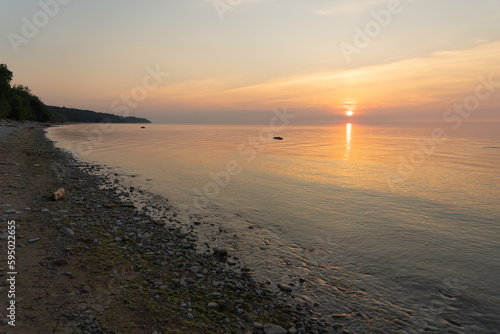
[
  {"x": 63, "y": 114},
  {"x": 17, "y": 102}
]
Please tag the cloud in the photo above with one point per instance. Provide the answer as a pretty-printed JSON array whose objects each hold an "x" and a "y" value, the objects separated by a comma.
[{"x": 435, "y": 81}]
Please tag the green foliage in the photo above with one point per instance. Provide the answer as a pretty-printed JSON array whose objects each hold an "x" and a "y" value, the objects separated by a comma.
[
  {"x": 18, "y": 102},
  {"x": 88, "y": 116}
]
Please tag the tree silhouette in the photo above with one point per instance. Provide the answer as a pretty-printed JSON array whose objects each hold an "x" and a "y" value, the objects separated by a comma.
[{"x": 18, "y": 102}]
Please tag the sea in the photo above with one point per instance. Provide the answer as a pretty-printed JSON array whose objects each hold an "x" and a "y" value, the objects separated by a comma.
[{"x": 379, "y": 228}]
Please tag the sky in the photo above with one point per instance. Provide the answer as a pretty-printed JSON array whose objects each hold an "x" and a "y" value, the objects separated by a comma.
[{"x": 234, "y": 61}]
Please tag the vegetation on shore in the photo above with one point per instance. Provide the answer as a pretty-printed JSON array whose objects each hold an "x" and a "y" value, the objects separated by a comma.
[
  {"x": 63, "y": 114},
  {"x": 18, "y": 103}
]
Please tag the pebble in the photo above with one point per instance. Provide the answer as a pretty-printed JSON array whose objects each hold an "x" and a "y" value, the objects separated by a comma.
[
  {"x": 274, "y": 329},
  {"x": 212, "y": 305},
  {"x": 220, "y": 252},
  {"x": 216, "y": 295},
  {"x": 33, "y": 240},
  {"x": 67, "y": 231},
  {"x": 284, "y": 287},
  {"x": 258, "y": 325}
]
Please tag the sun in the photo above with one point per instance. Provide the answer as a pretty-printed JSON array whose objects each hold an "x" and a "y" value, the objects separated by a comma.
[{"x": 350, "y": 107}]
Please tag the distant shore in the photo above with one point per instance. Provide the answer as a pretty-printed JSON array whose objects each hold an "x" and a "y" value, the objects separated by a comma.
[{"x": 91, "y": 263}]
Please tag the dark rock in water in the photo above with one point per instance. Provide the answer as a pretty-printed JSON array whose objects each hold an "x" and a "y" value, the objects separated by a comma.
[
  {"x": 278, "y": 138},
  {"x": 491, "y": 147},
  {"x": 143, "y": 127}
]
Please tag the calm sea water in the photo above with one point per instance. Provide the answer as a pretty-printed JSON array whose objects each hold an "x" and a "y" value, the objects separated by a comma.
[{"x": 396, "y": 230}]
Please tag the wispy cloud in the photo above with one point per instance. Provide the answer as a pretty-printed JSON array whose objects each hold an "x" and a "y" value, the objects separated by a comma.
[{"x": 412, "y": 83}]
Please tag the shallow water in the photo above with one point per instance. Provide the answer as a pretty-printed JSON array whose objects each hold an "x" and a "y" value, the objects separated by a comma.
[{"x": 382, "y": 222}]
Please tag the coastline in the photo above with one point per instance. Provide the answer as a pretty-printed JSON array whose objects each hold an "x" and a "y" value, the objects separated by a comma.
[{"x": 108, "y": 268}]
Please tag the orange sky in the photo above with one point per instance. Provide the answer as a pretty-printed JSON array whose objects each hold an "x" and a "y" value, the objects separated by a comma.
[{"x": 262, "y": 54}]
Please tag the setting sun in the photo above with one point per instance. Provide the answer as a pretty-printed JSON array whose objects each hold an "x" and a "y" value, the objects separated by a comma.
[{"x": 349, "y": 113}]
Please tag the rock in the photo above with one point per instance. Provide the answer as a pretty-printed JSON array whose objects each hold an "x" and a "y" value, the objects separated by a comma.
[
  {"x": 274, "y": 329},
  {"x": 10, "y": 211},
  {"x": 278, "y": 138},
  {"x": 85, "y": 289},
  {"x": 33, "y": 240},
  {"x": 292, "y": 330},
  {"x": 258, "y": 325},
  {"x": 217, "y": 295},
  {"x": 61, "y": 262},
  {"x": 56, "y": 195},
  {"x": 194, "y": 269},
  {"x": 67, "y": 231},
  {"x": 222, "y": 252},
  {"x": 284, "y": 287},
  {"x": 212, "y": 305}
]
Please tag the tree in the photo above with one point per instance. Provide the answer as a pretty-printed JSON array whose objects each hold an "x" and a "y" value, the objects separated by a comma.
[
  {"x": 5, "y": 75},
  {"x": 18, "y": 102},
  {"x": 5, "y": 79}
]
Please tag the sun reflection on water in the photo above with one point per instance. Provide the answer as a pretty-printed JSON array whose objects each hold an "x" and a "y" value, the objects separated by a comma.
[{"x": 348, "y": 137}]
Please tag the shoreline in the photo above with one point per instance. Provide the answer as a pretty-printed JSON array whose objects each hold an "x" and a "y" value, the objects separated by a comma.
[{"x": 106, "y": 267}]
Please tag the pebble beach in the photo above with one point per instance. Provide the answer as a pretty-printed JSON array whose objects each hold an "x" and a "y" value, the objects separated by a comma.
[{"x": 92, "y": 262}]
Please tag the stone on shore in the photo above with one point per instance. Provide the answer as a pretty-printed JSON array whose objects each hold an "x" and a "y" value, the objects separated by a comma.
[
  {"x": 284, "y": 287},
  {"x": 212, "y": 305},
  {"x": 58, "y": 194},
  {"x": 222, "y": 252},
  {"x": 274, "y": 329},
  {"x": 67, "y": 231}
]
